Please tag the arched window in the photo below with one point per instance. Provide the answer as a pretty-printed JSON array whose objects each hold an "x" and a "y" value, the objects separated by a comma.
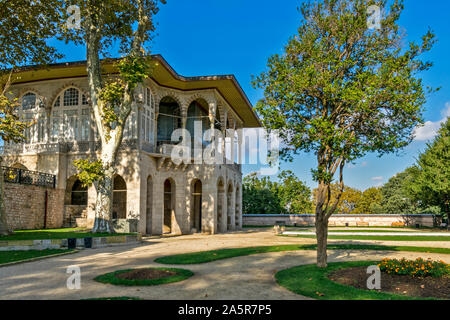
[
  {"x": 79, "y": 195},
  {"x": 169, "y": 119},
  {"x": 31, "y": 110},
  {"x": 197, "y": 112},
  {"x": 148, "y": 118},
  {"x": 71, "y": 117}
]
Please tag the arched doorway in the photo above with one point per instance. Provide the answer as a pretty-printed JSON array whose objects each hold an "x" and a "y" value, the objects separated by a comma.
[
  {"x": 149, "y": 205},
  {"x": 220, "y": 199},
  {"x": 75, "y": 202},
  {"x": 119, "y": 207},
  {"x": 196, "y": 206},
  {"x": 229, "y": 207},
  {"x": 79, "y": 194},
  {"x": 169, "y": 205}
]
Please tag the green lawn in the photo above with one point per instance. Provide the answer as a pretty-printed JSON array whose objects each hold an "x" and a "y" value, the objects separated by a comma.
[
  {"x": 310, "y": 281},
  {"x": 379, "y": 238},
  {"x": 15, "y": 256},
  {"x": 56, "y": 234},
  {"x": 209, "y": 256}
]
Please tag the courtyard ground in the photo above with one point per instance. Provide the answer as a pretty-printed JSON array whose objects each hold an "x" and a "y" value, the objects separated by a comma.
[{"x": 240, "y": 278}]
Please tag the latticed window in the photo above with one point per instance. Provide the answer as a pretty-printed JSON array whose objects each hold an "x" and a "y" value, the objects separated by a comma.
[
  {"x": 84, "y": 101},
  {"x": 148, "y": 118},
  {"x": 29, "y": 101},
  {"x": 30, "y": 112},
  {"x": 71, "y": 97},
  {"x": 71, "y": 121}
]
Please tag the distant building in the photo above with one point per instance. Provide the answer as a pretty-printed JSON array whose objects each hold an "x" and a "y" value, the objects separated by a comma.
[{"x": 152, "y": 195}]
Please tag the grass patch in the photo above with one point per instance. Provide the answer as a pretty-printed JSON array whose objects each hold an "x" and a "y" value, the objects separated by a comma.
[
  {"x": 16, "y": 256},
  {"x": 209, "y": 256},
  {"x": 379, "y": 238},
  {"x": 111, "y": 278},
  {"x": 56, "y": 234},
  {"x": 310, "y": 281}
]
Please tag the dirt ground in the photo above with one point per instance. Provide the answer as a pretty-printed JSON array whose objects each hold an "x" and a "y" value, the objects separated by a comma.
[{"x": 240, "y": 278}]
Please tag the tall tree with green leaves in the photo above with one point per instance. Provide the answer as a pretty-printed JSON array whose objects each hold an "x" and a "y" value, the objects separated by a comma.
[
  {"x": 25, "y": 27},
  {"x": 397, "y": 197},
  {"x": 103, "y": 24},
  {"x": 431, "y": 181},
  {"x": 342, "y": 90}
]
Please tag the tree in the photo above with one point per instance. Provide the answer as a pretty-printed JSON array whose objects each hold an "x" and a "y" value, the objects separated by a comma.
[
  {"x": 289, "y": 195},
  {"x": 396, "y": 195},
  {"x": 350, "y": 202},
  {"x": 260, "y": 196},
  {"x": 130, "y": 24},
  {"x": 295, "y": 196},
  {"x": 342, "y": 90},
  {"x": 25, "y": 27},
  {"x": 431, "y": 181},
  {"x": 370, "y": 201}
]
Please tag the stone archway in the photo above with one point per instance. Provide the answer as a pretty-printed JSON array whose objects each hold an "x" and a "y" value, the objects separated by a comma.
[
  {"x": 75, "y": 203},
  {"x": 196, "y": 206},
  {"x": 119, "y": 207},
  {"x": 19, "y": 166},
  {"x": 169, "y": 205},
  {"x": 149, "y": 206}
]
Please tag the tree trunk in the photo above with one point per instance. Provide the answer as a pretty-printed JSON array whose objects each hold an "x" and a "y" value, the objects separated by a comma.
[
  {"x": 322, "y": 242},
  {"x": 4, "y": 230},
  {"x": 103, "y": 204},
  {"x": 321, "y": 227}
]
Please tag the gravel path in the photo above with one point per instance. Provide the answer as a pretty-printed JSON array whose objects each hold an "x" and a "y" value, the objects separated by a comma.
[{"x": 241, "y": 278}]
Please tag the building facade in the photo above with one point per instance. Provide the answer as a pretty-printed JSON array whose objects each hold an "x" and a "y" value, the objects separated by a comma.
[{"x": 152, "y": 194}]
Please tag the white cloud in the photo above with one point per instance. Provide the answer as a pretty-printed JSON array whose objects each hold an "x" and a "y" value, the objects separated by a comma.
[
  {"x": 377, "y": 178},
  {"x": 430, "y": 129}
]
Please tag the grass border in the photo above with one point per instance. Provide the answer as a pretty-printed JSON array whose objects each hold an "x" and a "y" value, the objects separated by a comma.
[
  {"x": 311, "y": 281},
  {"x": 377, "y": 238},
  {"x": 37, "y": 258},
  {"x": 214, "y": 255},
  {"x": 182, "y": 274}
]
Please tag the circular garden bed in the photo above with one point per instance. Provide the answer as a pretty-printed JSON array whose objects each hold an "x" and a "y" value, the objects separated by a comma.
[
  {"x": 145, "y": 277},
  {"x": 421, "y": 287},
  {"x": 348, "y": 281}
]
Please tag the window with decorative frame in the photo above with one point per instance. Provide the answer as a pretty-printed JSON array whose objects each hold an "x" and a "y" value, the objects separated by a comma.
[
  {"x": 71, "y": 117},
  {"x": 32, "y": 110},
  {"x": 148, "y": 118}
]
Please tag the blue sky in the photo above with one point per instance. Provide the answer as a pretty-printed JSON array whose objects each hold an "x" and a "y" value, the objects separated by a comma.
[{"x": 204, "y": 37}]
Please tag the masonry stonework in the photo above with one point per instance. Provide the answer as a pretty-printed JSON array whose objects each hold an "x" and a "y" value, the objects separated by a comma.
[{"x": 25, "y": 207}]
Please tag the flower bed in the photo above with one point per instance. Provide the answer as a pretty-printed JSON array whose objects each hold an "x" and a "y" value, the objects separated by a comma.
[{"x": 416, "y": 268}]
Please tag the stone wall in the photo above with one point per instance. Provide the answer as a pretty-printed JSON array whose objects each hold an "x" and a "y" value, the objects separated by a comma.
[
  {"x": 25, "y": 207},
  {"x": 342, "y": 220}
]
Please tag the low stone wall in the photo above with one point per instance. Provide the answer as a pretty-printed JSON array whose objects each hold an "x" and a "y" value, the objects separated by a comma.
[
  {"x": 25, "y": 207},
  {"x": 341, "y": 220},
  {"x": 97, "y": 242}
]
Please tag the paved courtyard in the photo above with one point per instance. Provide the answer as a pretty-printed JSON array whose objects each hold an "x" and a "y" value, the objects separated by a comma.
[{"x": 248, "y": 277}]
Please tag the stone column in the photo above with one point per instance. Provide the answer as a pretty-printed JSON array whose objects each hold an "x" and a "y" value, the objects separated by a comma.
[
  {"x": 209, "y": 207},
  {"x": 233, "y": 210}
]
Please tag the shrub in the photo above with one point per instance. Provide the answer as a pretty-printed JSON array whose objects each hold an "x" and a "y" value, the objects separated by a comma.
[{"x": 416, "y": 268}]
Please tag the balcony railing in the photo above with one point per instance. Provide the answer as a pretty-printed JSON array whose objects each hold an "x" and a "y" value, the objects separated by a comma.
[{"x": 21, "y": 176}]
